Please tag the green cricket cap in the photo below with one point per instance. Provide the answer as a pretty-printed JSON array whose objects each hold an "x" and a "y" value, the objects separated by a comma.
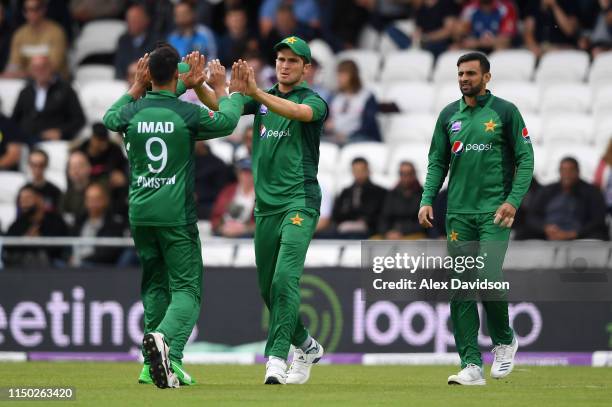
[
  {"x": 297, "y": 45},
  {"x": 183, "y": 67}
]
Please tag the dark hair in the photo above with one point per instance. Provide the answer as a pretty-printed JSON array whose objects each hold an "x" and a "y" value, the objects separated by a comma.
[
  {"x": 101, "y": 187},
  {"x": 359, "y": 160},
  {"x": 29, "y": 187},
  {"x": 99, "y": 130},
  {"x": 572, "y": 160},
  {"x": 163, "y": 63},
  {"x": 187, "y": 3},
  {"x": 41, "y": 152},
  {"x": 351, "y": 67},
  {"x": 485, "y": 65}
]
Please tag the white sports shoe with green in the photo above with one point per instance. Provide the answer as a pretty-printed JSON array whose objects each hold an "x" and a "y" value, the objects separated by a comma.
[
  {"x": 503, "y": 361},
  {"x": 299, "y": 372},
  {"x": 471, "y": 375},
  {"x": 160, "y": 369}
]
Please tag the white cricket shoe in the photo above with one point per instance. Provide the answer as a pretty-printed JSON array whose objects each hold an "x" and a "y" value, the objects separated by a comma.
[
  {"x": 470, "y": 376},
  {"x": 299, "y": 372},
  {"x": 504, "y": 359},
  {"x": 160, "y": 368},
  {"x": 276, "y": 371}
]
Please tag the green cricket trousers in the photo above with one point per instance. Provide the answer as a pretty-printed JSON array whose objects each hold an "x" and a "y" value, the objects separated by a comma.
[
  {"x": 281, "y": 243},
  {"x": 171, "y": 259},
  {"x": 491, "y": 239}
]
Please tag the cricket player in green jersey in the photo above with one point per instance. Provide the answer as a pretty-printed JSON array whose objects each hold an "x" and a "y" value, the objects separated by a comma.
[
  {"x": 482, "y": 142},
  {"x": 159, "y": 135},
  {"x": 288, "y": 123}
]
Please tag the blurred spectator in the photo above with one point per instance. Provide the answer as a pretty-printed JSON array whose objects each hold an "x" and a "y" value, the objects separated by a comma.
[
  {"x": 568, "y": 209},
  {"x": 38, "y": 36},
  {"x": 38, "y": 161},
  {"x": 347, "y": 19},
  {"x": 383, "y": 12},
  {"x": 135, "y": 42},
  {"x": 232, "y": 215},
  {"x": 357, "y": 208},
  {"x": 550, "y": 24},
  {"x": 11, "y": 140},
  {"x": 237, "y": 38},
  {"x": 521, "y": 226},
  {"x": 160, "y": 12},
  {"x": 353, "y": 109},
  {"x": 487, "y": 25},
  {"x": 399, "y": 217},
  {"x": 47, "y": 107},
  {"x": 264, "y": 73},
  {"x": 598, "y": 37},
  {"x": 79, "y": 177},
  {"x": 211, "y": 176},
  {"x": 84, "y": 11},
  {"x": 305, "y": 12},
  {"x": 434, "y": 22},
  {"x": 603, "y": 176},
  {"x": 108, "y": 163},
  {"x": 98, "y": 221},
  {"x": 286, "y": 26},
  {"x": 190, "y": 36},
  {"x": 108, "y": 166},
  {"x": 57, "y": 10},
  {"x": 5, "y": 38},
  {"x": 314, "y": 80},
  {"x": 33, "y": 221}
]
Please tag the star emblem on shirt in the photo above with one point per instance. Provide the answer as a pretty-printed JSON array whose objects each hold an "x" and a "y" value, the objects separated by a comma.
[
  {"x": 490, "y": 125},
  {"x": 291, "y": 40},
  {"x": 296, "y": 220},
  {"x": 454, "y": 236}
]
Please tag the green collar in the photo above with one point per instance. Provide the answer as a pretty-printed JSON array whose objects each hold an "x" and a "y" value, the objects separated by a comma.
[
  {"x": 481, "y": 100},
  {"x": 301, "y": 86},
  {"x": 160, "y": 94}
]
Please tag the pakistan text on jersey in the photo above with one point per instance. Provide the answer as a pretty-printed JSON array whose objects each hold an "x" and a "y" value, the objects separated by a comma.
[
  {"x": 155, "y": 127},
  {"x": 153, "y": 182}
]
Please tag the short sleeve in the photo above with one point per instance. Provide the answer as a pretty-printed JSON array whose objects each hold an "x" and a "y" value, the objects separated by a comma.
[{"x": 318, "y": 106}]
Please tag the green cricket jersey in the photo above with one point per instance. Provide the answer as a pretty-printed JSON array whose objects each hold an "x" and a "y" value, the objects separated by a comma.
[
  {"x": 487, "y": 152},
  {"x": 286, "y": 153},
  {"x": 159, "y": 135}
]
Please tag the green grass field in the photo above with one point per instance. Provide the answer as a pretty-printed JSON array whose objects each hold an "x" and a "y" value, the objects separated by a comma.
[{"x": 114, "y": 384}]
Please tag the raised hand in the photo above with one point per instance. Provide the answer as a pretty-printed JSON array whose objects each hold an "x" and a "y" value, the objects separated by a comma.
[
  {"x": 216, "y": 75},
  {"x": 195, "y": 76},
  {"x": 142, "y": 78},
  {"x": 238, "y": 79}
]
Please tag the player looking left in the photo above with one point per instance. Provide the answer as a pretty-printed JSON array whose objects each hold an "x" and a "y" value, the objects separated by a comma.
[{"x": 159, "y": 136}]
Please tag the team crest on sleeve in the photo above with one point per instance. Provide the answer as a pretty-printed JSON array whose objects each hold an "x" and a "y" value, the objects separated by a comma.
[
  {"x": 525, "y": 134},
  {"x": 263, "y": 109},
  {"x": 456, "y": 127},
  {"x": 262, "y": 131},
  {"x": 211, "y": 114},
  {"x": 457, "y": 148}
]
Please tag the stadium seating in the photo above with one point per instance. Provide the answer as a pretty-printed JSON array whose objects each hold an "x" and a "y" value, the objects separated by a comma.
[
  {"x": 567, "y": 127},
  {"x": 328, "y": 157},
  {"x": 9, "y": 92},
  {"x": 415, "y": 153},
  {"x": 566, "y": 97},
  {"x": 524, "y": 95},
  {"x": 410, "y": 128},
  {"x": 96, "y": 97},
  {"x": 222, "y": 149},
  {"x": 97, "y": 37},
  {"x": 414, "y": 65},
  {"x": 326, "y": 59},
  {"x": 375, "y": 153},
  {"x": 446, "y": 67},
  {"x": 602, "y": 100},
  {"x": 534, "y": 126},
  {"x": 367, "y": 61},
  {"x": 512, "y": 65},
  {"x": 58, "y": 159},
  {"x": 410, "y": 96},
  {"x": 587, "y": 156},
  {"x": 447, "y": 93},
  {"x": 562, "y": 66},
  {"x": 601, "y": 69},
  {"x": 94, "y": 72}
]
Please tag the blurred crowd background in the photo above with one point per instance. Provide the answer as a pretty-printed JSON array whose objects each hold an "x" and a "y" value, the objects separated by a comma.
[{"x": 385, "y": 67}]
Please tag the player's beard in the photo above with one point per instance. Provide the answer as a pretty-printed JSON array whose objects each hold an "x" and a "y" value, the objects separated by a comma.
[{"x": 472, "y": 90}]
